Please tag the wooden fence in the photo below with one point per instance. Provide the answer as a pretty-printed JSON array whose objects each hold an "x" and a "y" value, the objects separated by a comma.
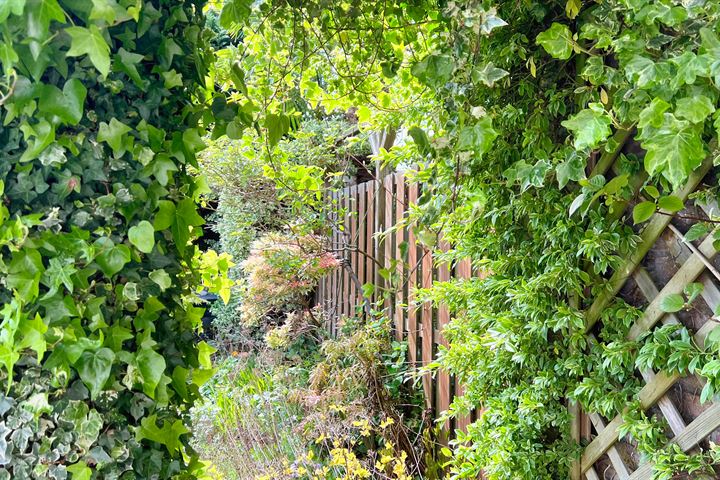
[{"x": 373, "y": 207}]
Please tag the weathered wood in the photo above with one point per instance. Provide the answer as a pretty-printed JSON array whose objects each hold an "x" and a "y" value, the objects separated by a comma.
[
  {"x": 698, "y": 429},
  {"x": 371, "y": 245},
  {"x": 613, "y": 454},
  {"x": 388, "y": 240},
  {"x": 710, "y": 293},
  {"x": 463, "y": 270},
  {"x": 591, "y": 475},
  {"x": 346, "y": 294},
  {"x": 426, "y": 329},
  {"x": 353, "y": 246},
  {"x": 412, "y": 313},
  {"x": 648, "y": 396},
  {"x": 650, "y": 291},
  {"x": 362, "y": 236},
  {"x": 575, "y": 419},
  {"x": 399, "y": 314},
  {"x": 443, "y": 391},
  {"x": 686, "y": 274},
  {"x": 708, "y": 264},
  {"x": 648, "y": 237},
  {"x": 334, "y": 284}
]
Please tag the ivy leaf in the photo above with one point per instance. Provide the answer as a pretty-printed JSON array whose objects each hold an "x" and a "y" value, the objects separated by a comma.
[
  {"x": 161, "y": 167},
  {"x": 116, "y": 335},
  {"x": 434, "y": 70},
  {"x": 169, "y": 435},
  {"x": 90, "y": 42},
  {"x": 478, "y": 137},
  {"x": 66, "y": 104},
  {"x": 643, "y": 211},
  {"x": 94, "y": 369},
  {"x": 421, "y": 140},
  {"x": 59, "y": 272},
  {"x": 112, "y": 257},
  {"x": 652, "y": 115},
  {"x": 108, "y": 11},
  {"x": 489, "y": 74},
  {"x": 674, "y": 150},
  {"x": 277, "y": 125},
  {"x": 80, "y": 471},
  {"x": 38, "y": 138},
  {"x": 39, "y": 15},
  {"x": 24, "y": 273},
  {"x": 695, "y": 109},
  {"x": 142, "y": 236},
  {"x": 235, "y": 12},
  {"x": 490, "y": 21},
  {"x": 590, "y": 127},
  {"x": 689, "y": 67},
  {"x": 161, "y": 278},
  {"x": 9, "y": 356},
  {"x": 112, "y": 133},
  {"x": 557, "y": 41},
  {"x": 641, "y": 70},
  {"x": 127, "y": 62},
  {"x": 672, "y": 303},
  {"x": 671, "y": 204},
  {"x": 572, "y": 8},
  {"x": 151, "y": 366},
  {"x": 172, "y": 79},
  {"x": 572, "y": 169},
  {"x": 8, "y": 7},
  {"x": 179, "y": 218},
  {"x": 33, "y": 336}
]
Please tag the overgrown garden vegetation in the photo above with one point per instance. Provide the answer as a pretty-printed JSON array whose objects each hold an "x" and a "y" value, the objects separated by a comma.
[{"x": 547, "y": 138}]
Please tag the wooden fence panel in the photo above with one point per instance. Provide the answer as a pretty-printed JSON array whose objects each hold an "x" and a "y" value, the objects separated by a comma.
[{"x": 371, "y": 208}]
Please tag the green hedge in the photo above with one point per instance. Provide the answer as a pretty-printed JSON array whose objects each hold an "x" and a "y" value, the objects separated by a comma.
[{"x": 98, "y": 360}]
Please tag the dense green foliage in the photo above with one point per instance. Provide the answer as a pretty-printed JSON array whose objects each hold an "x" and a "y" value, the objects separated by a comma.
[
  {"x": 513, "y": 105},
  {"x": 101, "y": 109}
]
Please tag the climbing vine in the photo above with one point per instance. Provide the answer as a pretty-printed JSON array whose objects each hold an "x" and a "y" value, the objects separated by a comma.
[{"x": 103, "y": 110}]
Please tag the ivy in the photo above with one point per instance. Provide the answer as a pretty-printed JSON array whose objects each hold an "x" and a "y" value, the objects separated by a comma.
[{"x": 103, "y": 110}]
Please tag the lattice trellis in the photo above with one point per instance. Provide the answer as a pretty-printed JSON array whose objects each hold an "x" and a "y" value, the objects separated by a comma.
[{"x": 606, "y": 456}]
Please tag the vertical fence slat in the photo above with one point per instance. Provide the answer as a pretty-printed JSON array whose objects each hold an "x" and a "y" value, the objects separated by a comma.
[
  {"x": 354, "y": 225},
  {"x": 346, "y": 241},
  {"x": 333, "y": 242},
  {"x": 426, "y": 329},
  {"x": 443, "y": 377},
  {"x": 369, "y": 235},
  {"x": 361, "y": 246},
  {"x": 390, "y": 204},
  {"x": 463, "y": 270},
  {"x": 412, "y": 282},
  {"x": 400, "y": 327}
]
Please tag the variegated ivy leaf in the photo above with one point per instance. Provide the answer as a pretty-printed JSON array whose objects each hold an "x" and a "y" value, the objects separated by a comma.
[{"x": 489, "y": 74}]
